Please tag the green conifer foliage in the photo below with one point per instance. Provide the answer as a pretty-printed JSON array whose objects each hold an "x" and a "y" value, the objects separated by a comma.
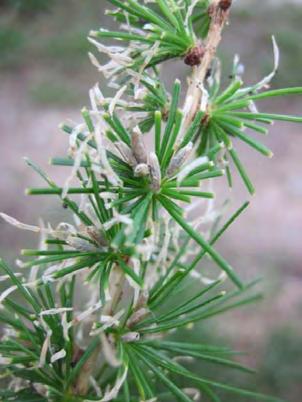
[{"x": 98, "y": 303}]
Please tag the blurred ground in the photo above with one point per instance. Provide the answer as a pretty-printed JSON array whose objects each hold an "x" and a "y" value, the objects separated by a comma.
[{"x": 44, "y": 79}]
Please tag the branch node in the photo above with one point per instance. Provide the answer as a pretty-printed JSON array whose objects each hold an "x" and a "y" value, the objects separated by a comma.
[
  {"x": 224, "y": 5},
  {"x": 195, "y": 55}
]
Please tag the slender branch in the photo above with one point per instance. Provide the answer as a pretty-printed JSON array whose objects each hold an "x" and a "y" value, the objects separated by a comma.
[
  {"x": 117, "y": 282},
  {"x": 116, "y": 285},
  {"x": 83, "y": 380},
  {"x": 219, "y": 13}
]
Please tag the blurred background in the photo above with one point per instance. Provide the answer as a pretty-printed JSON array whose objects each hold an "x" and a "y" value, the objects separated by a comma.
[{"x": 44, "y": 79}]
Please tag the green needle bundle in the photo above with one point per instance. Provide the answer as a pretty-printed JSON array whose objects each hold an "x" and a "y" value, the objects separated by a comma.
[{"x": 93, "y": 315}]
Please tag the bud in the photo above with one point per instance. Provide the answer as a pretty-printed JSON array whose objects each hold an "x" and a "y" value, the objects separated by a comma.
[
  {"x": 80, "y": 244},
  {"x": 126, "y": 153},
  {"x": 143, "y": 298},
  {"x": 224, "y": 5},
  {"x": 138, "y": 146},
  {"x": 131, "y": 337},
  {"x": 178, "y": 159},
  {"x": 137, "y": 316},
  {"x": 141, "y": 170},
  {"x": 195, "y": 55},
  {"x": 97, "y": 235},
  {"x": 154, "y": 171}
]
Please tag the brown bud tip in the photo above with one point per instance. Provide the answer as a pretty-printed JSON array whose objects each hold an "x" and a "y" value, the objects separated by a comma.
[
  {"x": 195, "y": 55},
  {"x": 225, "y": 4}
]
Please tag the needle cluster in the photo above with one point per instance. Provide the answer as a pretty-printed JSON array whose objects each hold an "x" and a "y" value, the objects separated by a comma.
[{"x": 92, "y": 313}]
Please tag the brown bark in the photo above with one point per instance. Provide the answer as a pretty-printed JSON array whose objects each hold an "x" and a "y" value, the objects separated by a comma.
[{"x": 219, "y": 13}]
